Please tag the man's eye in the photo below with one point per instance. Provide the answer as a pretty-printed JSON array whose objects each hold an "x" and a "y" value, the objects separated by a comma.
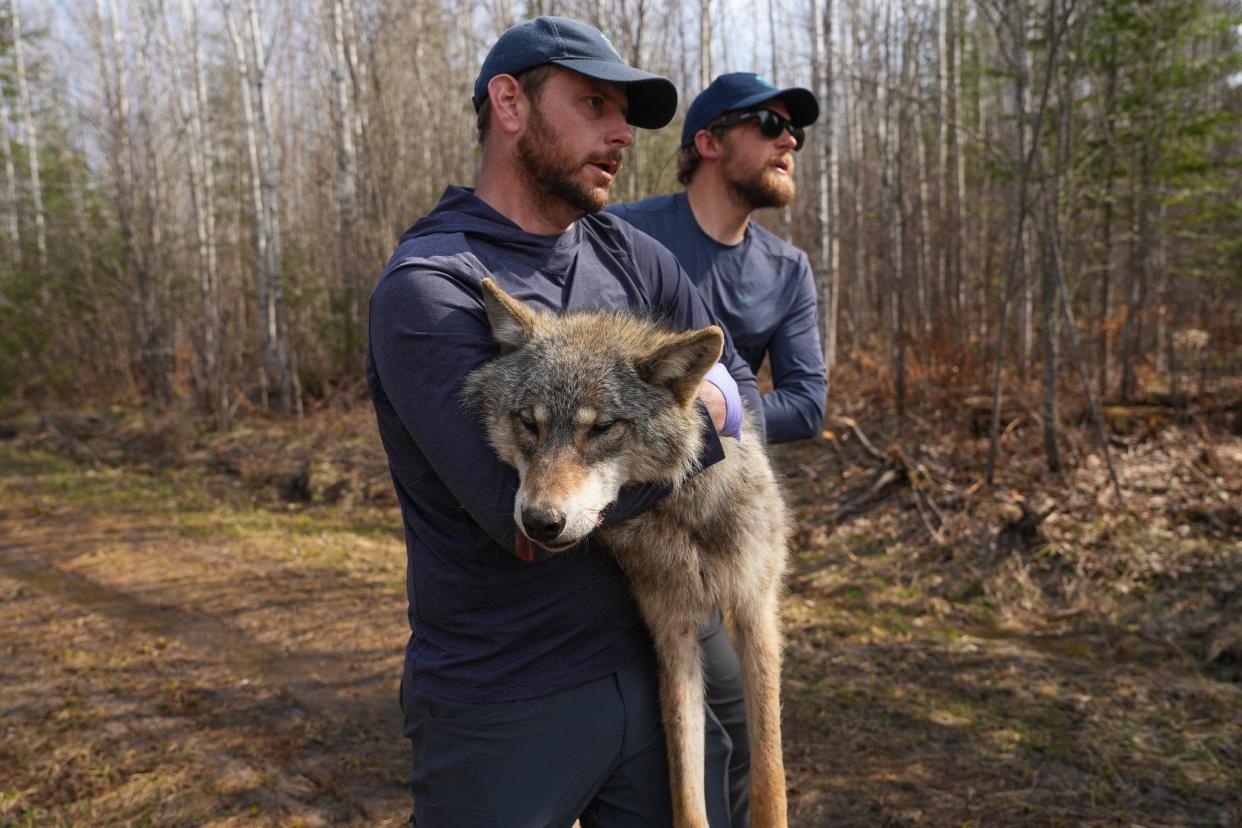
[{"x": 595, "y": 103}]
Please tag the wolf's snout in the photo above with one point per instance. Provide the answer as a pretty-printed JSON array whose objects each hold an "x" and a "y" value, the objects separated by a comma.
[{"x": 542, "y": 525}]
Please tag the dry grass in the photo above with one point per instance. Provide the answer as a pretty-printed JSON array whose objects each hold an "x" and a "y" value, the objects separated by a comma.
[{"x": 206, "y": 630}]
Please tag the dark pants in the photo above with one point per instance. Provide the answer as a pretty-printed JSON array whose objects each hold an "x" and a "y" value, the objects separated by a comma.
[{"x": 594, "y": 753}]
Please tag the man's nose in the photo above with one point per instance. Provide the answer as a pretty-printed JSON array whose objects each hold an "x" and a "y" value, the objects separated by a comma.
[
  {"x": 785, "y": 141},
  {"x": 620, "y": 133}
]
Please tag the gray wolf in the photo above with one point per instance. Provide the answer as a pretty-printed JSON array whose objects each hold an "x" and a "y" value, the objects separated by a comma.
[{"x": 585, "y": 403}]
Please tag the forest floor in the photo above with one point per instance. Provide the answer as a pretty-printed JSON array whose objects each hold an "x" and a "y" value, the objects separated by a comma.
[{"x": 206, "y": 629}]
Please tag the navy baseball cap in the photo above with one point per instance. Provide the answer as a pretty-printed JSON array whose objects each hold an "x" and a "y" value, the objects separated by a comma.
[
  {"x": 743, "y": 90},
  {"x": 585, "y": 50}
]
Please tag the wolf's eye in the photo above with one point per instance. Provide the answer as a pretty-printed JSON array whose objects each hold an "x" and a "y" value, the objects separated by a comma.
[
  {"x": 528, "y": 422},
  {"x": 602, "y": 427}
]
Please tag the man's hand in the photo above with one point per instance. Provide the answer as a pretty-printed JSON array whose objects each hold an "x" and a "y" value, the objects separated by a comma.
[{"x": 715, "y": 402}]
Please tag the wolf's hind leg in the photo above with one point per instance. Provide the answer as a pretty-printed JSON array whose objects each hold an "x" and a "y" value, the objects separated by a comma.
[
  {"x": 682, "y": 707},
  {"x": 757, "y": 626}
]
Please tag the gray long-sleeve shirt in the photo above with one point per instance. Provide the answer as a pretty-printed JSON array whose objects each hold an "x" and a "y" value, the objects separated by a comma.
[{"x": 763, "y": 291}]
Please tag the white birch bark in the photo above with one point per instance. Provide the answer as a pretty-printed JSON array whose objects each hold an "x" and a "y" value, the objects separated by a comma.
[
  {"x": 833, "y": 157},
  {"x": 251, "y": 66},
  {"x": 13, "y": 206},
  {"x": 343, "y": 73},
  {"x": 31, "y": 134},
  {"x": 705, "y": 43},
  {"x": 857, "y": 153},
  {"x": 191, "y": 105},
  {"x": 826, "y": 262}
]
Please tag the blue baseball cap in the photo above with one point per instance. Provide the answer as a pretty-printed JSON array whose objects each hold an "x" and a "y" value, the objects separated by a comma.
[
  {"x": 743, "y": 90},
  {"x": 585, "y": 50}
]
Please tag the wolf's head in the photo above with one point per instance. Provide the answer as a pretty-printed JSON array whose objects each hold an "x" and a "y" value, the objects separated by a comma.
[{"x": 585, "y": 403}]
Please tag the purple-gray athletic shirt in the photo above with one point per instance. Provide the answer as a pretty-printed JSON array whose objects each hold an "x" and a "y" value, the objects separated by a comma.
[
  {"x": 486, "y": 626},
  {"x": 763, "y": 291}
]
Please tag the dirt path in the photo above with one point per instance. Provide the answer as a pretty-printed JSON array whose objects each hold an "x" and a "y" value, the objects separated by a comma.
[
  {"x": 169, "y": 667},
  {"x": 173, "y": 654}
]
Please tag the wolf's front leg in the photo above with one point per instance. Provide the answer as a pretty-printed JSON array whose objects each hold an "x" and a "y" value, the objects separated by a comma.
[
  {"x": 682, "y": 706},
  {"x": 757, "y": 625}
]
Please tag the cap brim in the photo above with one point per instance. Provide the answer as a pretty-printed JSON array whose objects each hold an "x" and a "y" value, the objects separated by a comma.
[
  {"x": 802, "y": 104},
  {"x": 652, "y": 98}
]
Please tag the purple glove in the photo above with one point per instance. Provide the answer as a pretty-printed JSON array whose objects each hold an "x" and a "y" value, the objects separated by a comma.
[{"x": 720, "y": 377}]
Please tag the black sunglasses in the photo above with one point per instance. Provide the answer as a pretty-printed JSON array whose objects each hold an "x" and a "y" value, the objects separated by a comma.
[{"x": 771, "y": 125}]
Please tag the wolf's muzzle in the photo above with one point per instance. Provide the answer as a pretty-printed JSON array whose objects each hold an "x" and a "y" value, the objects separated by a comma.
[{"x": 542, "y": 525}]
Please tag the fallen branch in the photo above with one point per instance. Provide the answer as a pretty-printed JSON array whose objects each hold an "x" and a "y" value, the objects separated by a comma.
[{"x": 852, "y": 426}]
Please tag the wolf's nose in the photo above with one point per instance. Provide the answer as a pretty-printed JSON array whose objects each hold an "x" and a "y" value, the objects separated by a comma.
[{"x": 542, "y": 524}]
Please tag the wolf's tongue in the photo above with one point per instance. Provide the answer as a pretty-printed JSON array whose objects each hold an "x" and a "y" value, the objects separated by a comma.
[{"x": 525, "y": 548}]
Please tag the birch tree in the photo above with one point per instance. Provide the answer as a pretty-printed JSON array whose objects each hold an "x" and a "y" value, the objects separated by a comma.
[
  {"x": 30, "y": 132},
  {"x": 12, "y": 207},
  {"x": 251, "y": 66}
]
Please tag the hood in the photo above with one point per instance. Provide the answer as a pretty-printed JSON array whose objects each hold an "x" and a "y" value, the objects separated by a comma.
[{"x": 461, "y": 211}]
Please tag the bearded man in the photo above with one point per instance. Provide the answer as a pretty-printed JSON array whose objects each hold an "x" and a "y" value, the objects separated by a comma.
[
  {"x": 737, "y": 156},
  {"x": 529, "y": 689}
]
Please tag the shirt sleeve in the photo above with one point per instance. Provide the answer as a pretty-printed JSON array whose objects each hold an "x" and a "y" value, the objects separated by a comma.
[
  {"x": 428, "y": 330},
  {"x": 794, "y": 409}
]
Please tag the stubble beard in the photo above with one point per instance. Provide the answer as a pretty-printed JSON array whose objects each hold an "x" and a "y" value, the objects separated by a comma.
[{"x": 550, "y": 170}]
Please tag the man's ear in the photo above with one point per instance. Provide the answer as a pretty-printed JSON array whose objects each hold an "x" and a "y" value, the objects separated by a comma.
[
  {"x": 707, "y": 144},
  {"x": 512, "y": 323},
  {"x": 681, "y": 363},
  {"x": 504, "y": 93}
]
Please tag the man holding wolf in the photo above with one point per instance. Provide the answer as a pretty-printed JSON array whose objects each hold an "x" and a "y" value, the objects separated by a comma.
[{"x": 529, "y": 687}]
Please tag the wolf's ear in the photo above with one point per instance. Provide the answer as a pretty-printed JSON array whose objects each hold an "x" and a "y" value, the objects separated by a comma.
[
  {"x": 681, "y": 363},
  {"x": 512, "y": 322}
]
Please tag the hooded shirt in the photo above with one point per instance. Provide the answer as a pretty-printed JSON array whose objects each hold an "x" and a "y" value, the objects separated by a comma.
[
  {"x": 487, "y": 626},
  {"x": 763, "y": 291}
]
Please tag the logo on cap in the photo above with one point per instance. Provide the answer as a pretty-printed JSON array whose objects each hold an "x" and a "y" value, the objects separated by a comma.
[
  {"x": 604, "y": 38},
  {"x": 764, "y": 81}
]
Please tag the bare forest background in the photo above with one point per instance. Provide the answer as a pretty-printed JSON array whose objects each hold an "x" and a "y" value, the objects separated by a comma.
[
  {"x": 1015, "y": 585},
  {"x": 198, "y": 196}
]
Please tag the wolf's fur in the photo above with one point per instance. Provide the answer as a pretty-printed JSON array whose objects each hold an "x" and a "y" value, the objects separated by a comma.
[{"x": 585, "y": 403}]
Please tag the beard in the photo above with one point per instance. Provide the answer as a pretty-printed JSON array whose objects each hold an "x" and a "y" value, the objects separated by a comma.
[
  {"x": 762, "y": 188},
  {"x": 551, "y": 170}
]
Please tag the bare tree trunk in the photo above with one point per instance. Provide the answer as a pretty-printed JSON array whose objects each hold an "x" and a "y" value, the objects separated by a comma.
[
  {"x": 262, "y": 276},
  {"x": 214, "y": 322},
  {"x": 1022, "y": 108},
  {"x": 857, "y": 151},
  {"x": 1103, "y": 350},
  {"x": 275, "y": 316},
  {"x": 926, "y": 281},
  {"x": 13, "y": 207},
  {"x": 124, "y": 166},
  {"x": 32, "y": 145},
  {"x": 159, "y": 349},
  {"x": 956, "y": 278},
  {"x": 191, "y": 103},
  {"x": 1048, "y": 295},
  {"x": 833, "y": 158},
  {"x": 827, "y": 257},
  {"x": 251, "y": 64},
  {"x": 1017, "y": 63},
  {"x": 346, "y": 182},
  {"x": 705, "y": 43},
  {"x": 891, "y": 185},
  {"x": 940, "y": 290},
  {"x": 1137, "y": 277}
]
